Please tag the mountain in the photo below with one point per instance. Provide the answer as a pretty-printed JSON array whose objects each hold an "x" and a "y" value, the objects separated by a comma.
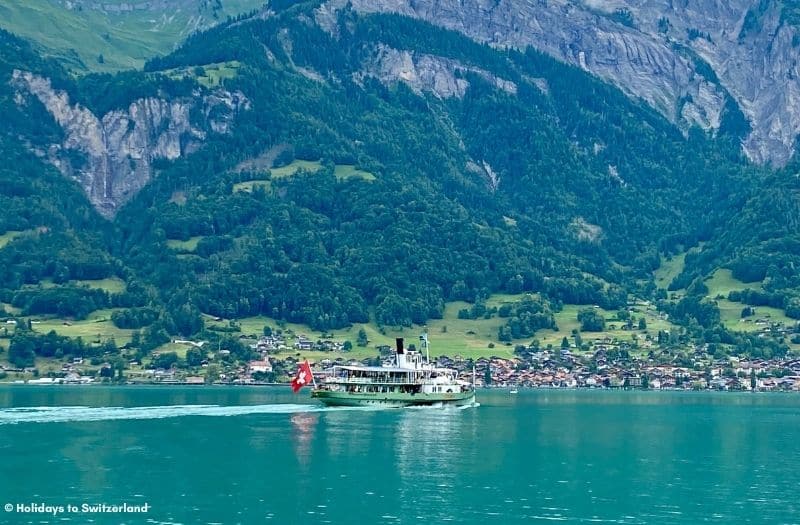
[
  {"x": 118, "y": 148},
  {"x": 722, "y": 66},
  {"x": 328, "y": 165}
]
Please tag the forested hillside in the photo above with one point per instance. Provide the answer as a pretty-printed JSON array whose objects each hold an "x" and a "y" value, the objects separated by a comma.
[{"x": 380, "y": 171}]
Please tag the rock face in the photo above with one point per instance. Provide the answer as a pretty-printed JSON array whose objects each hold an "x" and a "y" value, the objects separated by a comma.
[
  {"x": 111, "y": 156},
  {"x": 686, "y": 58},
  {"x": 421, "y": 72}
]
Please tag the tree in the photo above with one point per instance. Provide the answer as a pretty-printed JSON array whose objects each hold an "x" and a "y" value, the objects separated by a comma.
[
  {"x": 753, "y": 382},
  {"x": 393, "y": 310},
  {"x": 166, "y": 360},
  {"x": 564, "y": 343},
  {"x": 212, "y": 374},
  {"x": 487, "y": 375},
  {"x": 110, "y": 346},
  {"x": 642, "y": 323},
  {"x": 362, "y": 340},
  {"x": 120, "y": 366},
  {"x": 154, "y": 335},
  {"x": 347, "y": 346},
  {"x": 194, "y": 357},
  {"x": 188, "y": 320},
  {"x": 591, "y": 320},
  {"x": 21, "y": 352}
]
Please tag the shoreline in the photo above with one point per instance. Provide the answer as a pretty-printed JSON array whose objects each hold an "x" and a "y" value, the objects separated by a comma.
[{"x": 506, "y": 388}]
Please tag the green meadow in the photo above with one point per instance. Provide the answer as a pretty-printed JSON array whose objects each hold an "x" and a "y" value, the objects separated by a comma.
[
  {"x": 209, "y": 75},
  {"x": 720, "y": 284},
  {"x": 451, "y": 336},
  {"x": 340, "y": 171},
  {"x": 189, "y": 245},
  {"x": 97, "y": 327},
  {"x": 110, "y": 284},
  {"x": 88, "y": 39},
  {"x": 9, "y": 236},
  {"x": 669, "y": 269}
]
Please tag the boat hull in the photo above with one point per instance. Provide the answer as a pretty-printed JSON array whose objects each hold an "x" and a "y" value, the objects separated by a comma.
[{"x": 392, "y": 400}]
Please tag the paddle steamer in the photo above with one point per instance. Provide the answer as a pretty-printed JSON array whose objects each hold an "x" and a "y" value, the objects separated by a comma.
[{"x": 410, "y": 380}]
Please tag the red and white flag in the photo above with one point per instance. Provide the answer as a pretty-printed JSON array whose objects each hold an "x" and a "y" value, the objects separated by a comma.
[{"x": 304, "y": 377}]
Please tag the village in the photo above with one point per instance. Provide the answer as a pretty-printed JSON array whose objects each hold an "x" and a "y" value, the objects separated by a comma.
[{"x": 608, "y": 364}]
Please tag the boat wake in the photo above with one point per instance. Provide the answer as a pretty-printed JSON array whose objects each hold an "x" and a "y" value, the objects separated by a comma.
[
  {"x": 11, "y": 416},
  {"x": 443, "y": 406}
]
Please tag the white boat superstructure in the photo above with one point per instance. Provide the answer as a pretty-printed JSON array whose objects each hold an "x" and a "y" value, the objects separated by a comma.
[{"x": 410, "y": 380}]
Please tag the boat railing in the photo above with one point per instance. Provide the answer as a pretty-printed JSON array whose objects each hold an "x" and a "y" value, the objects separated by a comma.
[{"x": 369, "y": 380}]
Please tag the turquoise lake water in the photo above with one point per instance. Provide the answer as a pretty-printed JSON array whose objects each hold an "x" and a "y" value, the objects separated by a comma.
[{"x": 263, "y": 455}]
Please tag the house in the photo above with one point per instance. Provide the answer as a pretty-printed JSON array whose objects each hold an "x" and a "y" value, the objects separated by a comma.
[
  {"x": 195, "y": 380},
  {"x": 259, "y": 366},
  {"x": 303, "y": 343},
  {"x": 632, "y": 381},
  {"x": 76, "y": 378},
  {"x": 42, "y": 381}
]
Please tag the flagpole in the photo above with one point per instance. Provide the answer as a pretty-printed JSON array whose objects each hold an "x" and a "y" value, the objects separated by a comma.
[{"x": 314, "y": 381}]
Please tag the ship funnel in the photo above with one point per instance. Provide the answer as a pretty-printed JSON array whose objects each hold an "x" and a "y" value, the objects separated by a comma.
[{"x": 399, "y": 344}]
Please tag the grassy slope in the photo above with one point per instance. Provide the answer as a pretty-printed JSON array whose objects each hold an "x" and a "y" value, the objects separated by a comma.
[
  {"x": 720, "y": 284},
  {"x": 450, "y": 336},
  {"x": 341, "y": 171},
  {"x": 669, "y": 269},
  {"x": 188, "y": 245},
  {"x": 96, "y": 327},
  {"x": 465, "y": 337},
  {"x": 567, "y": 320},
  {"x": 213, "y": 74},
  {"x": 126, "y": 40},
  {"x": 9, "y": 236}
]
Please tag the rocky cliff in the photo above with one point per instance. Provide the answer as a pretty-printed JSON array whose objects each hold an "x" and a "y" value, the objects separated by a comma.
[
  {"x": 112, "y": 155},
  {"x": 689, "y": 59},
  {"x": 422, "y": 72}
]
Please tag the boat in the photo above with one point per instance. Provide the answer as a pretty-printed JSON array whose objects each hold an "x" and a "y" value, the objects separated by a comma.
[
  {"x": 513, "y": 391},
  {"x": 410, "y": 380}
]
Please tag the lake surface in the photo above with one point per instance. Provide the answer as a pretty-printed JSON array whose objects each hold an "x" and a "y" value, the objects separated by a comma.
[{"x": 263, "y": 455}]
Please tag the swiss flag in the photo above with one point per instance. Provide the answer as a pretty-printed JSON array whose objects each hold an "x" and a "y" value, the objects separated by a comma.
[{"x": 303, "y": 377}]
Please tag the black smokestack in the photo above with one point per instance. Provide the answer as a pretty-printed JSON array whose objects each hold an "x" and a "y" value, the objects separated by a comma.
[{"x": 399, "y": 345}]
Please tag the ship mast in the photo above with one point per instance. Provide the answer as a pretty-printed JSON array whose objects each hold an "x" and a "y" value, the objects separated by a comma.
[{"x": 424, "y": 340}]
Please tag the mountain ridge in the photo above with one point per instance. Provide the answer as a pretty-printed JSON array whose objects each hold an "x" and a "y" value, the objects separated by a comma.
[
  {"x": 666, "y": 54},
  {"x": 561, "y": 186}
]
